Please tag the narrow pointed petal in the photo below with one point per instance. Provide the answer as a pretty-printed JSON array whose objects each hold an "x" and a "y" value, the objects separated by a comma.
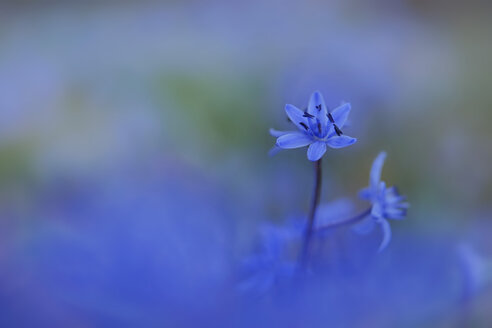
[
  {"x": 317, "y": 108},
  {"x": 316, "y": 150},
  {"x": 386, "y": 229},
  {"x": 315, "y": 101},
  {"x": 296, "y": 117},
  {"x": 277, "y": 133},
  {"x": 294, "y": 140},
  {"x": 404, "y": 205},
  {"x": 365, "y": 226},
  {"x": 392, "y": 196},
  {"x": 377, "y": 211},
  {"x": 274, "y": 150},
  {"x": 377, "y": 167},
  {"x": 382, "y": 190},
  {"x": 396, "y": 213},
  {"x": 340, "y": 114},
  {"x": 340, "y": 141}
]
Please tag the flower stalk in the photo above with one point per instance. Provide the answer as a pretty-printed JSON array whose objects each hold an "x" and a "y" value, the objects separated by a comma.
[
  {"x": 312, "y": 213},
  {"x": 359, "y": 217}
]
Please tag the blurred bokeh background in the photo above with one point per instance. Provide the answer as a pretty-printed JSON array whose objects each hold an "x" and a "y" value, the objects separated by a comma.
[{"x": 134, "y": 137}]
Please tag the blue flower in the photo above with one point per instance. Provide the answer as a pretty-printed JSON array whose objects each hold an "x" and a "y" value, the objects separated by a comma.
[
  {"x": 317, "y": 126},
  {"x": 272, "y": 264},
  {"x": 386, "y": 202}
]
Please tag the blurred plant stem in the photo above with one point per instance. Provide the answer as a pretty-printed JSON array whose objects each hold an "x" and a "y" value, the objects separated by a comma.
[
  {"x": 312, "y": 212},
  {"x": 359, "y": 217}
]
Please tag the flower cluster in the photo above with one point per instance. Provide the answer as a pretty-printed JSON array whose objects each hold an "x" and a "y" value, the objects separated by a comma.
[
  {"x": 319, "y": 128},
  {"x": 386, "y": 202}
]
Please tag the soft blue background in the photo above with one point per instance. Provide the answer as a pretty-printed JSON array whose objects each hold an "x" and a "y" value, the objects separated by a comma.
[{"x": 133, "y": 148}]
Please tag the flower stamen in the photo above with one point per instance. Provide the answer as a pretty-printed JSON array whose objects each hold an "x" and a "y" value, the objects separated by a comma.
[
  {"x": 306, "y": 114},
  {"x": 337, "y": 130}
]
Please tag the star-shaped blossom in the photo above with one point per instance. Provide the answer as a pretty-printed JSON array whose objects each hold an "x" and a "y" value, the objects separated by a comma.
[
  {"x": 318, "y": 128},
  {"x": 386, "y": 202}
]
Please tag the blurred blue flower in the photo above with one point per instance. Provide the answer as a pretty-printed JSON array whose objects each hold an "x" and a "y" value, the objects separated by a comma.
[
  {"x": 386, "y": 202},
  {"x": 274, "y": 262},
  {"x": 317, "y": 126},
  {"x": 477, "y": 270}
]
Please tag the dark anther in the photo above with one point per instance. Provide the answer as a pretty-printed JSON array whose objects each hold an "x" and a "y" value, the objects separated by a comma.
[
  {"x": 319, "y": 128},
  {"x": 318, "y": 107},
  {"x": 306, "y": 114},
  {"x": 330, "y": 118},
  {"x": 337, "y": 130},
  {"x": 303, "y": 125}
]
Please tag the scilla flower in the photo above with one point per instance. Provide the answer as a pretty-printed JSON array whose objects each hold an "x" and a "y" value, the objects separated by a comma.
[
  {"x": 317, "y": 126},
  {"x": 386, "y": 202}
]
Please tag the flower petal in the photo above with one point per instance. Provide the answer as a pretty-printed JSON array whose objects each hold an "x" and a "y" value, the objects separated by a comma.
[
  {"x": 392, "y": 196},
  {"x": 314, "y": 102},
  {"x": 340, "y": 141},
  {"x": 296, "y": 116},
  {"x": 377, "y": 211},
  {"x": 277, "y": 133},
  {"x": 377, "y": 167},
  {"x": 340, "y": 114},
  {"x": 274, "y": 150},
  {"x": 386, "y": 229},
  {"x": 396, "y": 213},
  {"x": 316, "y": 150},
  {"x": 317, "y": 108},
  {"x": 294, "y": 140}
]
